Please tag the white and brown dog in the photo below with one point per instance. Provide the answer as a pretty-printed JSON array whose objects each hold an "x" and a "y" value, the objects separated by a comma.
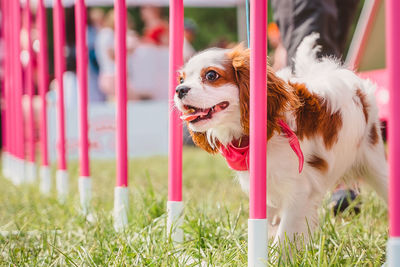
[{"x": 326, "y": 107}]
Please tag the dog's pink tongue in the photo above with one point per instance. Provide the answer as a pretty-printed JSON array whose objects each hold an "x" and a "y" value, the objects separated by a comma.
[{"x": 195, "y": 115}]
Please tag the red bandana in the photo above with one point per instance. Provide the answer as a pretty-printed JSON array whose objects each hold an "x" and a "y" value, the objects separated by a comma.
[{"x": 237, "y": 157}]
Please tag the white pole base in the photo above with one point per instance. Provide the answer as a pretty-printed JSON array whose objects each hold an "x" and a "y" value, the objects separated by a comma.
[
  {"x": 393, "y": 252},
  {"x": 11, "y": 167},
  {"x": 257, "y": 242},
  {"x": 85, "y": 193},
  {"x": 14, "y": 170},
  {"x": 121, "y": 204},
  {"x": 19, "y": 172},
  {"x": 30, "y": 172},
  {"x": 45, "y": 180},
  {"x": 5, "y": 165},
  {"x": 62, "y": 185},
  {"x": 175, "y": 220}
]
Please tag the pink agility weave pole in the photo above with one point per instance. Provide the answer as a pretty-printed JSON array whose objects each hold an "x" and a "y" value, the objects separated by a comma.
[
  {"x": 30, "y": 90},
  {"x": 175, "y": 205},
  {"x": 257, "y": 223},
  {"x": 45, "y": 180},
  {"x": 82, "y": 73},
  {"x": 121, "y": 189},
  {"x": 12, "y": 91},
  {"x": 59, "y": 69},
  {"x": 121, "y": 93},
  {"x": 9, "y": 162},
  {"x": 393, "y": 68},
  {"x": 17, "y": 89},
  {"x": 258, "y": 107},
  {"x": 81, "y": 69},
  {"x": 6, "y": 154}
]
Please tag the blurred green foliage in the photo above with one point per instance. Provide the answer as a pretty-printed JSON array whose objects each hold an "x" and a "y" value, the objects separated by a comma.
[{"x": 214, "y": 25}]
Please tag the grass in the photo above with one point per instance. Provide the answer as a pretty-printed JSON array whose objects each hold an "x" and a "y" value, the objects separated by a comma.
[{"x": 38, "y": 231}]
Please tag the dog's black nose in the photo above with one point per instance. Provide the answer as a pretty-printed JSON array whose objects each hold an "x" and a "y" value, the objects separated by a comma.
[{"x": 182, "y": 91}]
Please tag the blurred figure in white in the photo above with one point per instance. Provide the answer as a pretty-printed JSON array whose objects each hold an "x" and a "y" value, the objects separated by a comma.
[
  {"x": 96, "y": 20},
  {"x": 190, "y": 30},
  {"x": 155, "y": 26},
  {"x": 105, "y": 53}
]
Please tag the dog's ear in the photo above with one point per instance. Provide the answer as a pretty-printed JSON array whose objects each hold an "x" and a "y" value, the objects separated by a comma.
[
  {"x": 200, "y": 140},
  {"x": 280, "y": 97},
  {"x": 240, "y": 57}
]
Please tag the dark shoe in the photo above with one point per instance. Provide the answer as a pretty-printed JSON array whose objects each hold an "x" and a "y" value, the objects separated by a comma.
[{"x": 341, "y": 200}]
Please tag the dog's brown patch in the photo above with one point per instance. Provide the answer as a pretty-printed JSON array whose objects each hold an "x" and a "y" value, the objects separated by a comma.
[
  {"x": 279, "y": 97},
  {"x": 182, "y": 75},
  {"x": 318, "y": 163},
  {"x": 200, "y": 139},
  {"x": 241, "y": 64},
  {"x": 373, "y": 135},
  {"x": 314, "y": 117},
  {"x": 364, "y": 103},
  {"x": 226, "y": 76}
]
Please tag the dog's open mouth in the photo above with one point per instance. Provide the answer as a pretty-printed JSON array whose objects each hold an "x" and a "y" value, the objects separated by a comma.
[{"x": 193, "y": 114}]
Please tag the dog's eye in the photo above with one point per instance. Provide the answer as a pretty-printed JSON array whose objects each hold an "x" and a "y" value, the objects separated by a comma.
[
  {"x": 212, "y": 75},
  {"x": 181, "y": 80}
]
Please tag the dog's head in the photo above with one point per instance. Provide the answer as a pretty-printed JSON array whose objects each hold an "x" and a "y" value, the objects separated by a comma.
[{"x": 213, "y": 96}]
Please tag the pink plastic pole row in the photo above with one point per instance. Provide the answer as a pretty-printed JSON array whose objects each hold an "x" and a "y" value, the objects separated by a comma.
[
  {"x": 14, "y": 146},
  {"x": 17, "y": 79},
  {"x": 5, "y": 92},
  {"x": 121, "y": 94},
  {"x": 59, "y": 65},
  {"x": 393, "y": 68},
  {"x": 10, "y": 78},
  {"x": 175, "y": 125},
  {"x": 258, "y": 109},
  {"x": 82, "y": 69},
  {"x": 30, "y": 90},
  {"x": 43, "y": 79}
]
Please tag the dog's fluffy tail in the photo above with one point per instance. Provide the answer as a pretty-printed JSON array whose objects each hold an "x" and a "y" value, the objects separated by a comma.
[{"x": 306, "y": 54}]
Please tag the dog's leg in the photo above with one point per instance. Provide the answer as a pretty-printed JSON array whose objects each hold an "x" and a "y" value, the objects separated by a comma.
[
  {"x": 273, "y": 221},
  {"x": 298, "y": 220},
  {"x": 375, "y": 170}
]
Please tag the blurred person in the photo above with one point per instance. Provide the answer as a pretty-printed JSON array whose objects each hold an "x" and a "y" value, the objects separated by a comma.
[
  {"x": 277, "y": 51},
  {"x": 95, "y": 23},
  {"x": 190, "y": 31},
  {"x": 105, "y": 53},
  {"x": 96, "y": 17},
  {"x": 332, "y": 19},
  {"x": 155, "y": 27}
]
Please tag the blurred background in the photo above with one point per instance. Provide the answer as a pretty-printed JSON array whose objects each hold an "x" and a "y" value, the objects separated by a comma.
[{"x": 208, "y": 23}]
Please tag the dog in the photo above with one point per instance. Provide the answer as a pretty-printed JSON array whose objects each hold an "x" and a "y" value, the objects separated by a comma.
[{"x": 322, "y": 128}]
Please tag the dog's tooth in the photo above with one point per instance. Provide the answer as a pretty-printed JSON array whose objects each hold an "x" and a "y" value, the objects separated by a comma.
[{"x": 188, "y": 111}]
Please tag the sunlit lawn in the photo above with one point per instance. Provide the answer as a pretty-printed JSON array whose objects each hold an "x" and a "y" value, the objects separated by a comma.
[{"x": 38, "y": 231}]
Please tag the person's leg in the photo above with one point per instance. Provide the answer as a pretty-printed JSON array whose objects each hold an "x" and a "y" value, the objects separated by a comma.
[
  {"x": 297, "y": 19},
  {"x": 347, "y": 10}
]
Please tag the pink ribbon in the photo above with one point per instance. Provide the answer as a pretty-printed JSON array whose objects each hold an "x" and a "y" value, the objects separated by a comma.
[
  {"x": 293, "y": 142},
  {"x": 238, "y": 157}
]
